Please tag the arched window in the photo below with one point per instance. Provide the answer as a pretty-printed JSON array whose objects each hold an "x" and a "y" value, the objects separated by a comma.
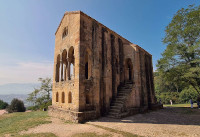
[
  {"x": 87, "y": 99},
  {"x": 87, "y": 63},
  {"x": 70, "y": 97},
  {"x": 65, "y": 32},
  {"x": 71, "y": 63},
  {"x": 57, "y": 97},
  {"x": 129, "y": 70},
  {"x": 86, "y": 70},
  {"x": 57, "y": 69},
  {"x": 63, "y": 97}
]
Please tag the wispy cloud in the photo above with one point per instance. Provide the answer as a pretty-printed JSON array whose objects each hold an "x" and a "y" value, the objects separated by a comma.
[{"x": 25, "y": 72}]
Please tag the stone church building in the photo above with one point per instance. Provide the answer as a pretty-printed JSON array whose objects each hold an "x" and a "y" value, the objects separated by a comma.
[{"x": 98, "y": 73}]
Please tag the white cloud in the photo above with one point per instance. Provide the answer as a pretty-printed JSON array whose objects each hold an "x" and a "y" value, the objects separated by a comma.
[{"x": 25, "y": 72}]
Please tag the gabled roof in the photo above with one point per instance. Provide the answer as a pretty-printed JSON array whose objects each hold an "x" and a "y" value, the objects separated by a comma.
[{"x": 82, "y": 13}]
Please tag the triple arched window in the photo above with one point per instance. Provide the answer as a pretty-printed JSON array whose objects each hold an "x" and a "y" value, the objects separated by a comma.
[{"x": 65, "y": 65}]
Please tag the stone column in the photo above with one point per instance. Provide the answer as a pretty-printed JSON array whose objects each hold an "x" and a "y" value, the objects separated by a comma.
[
  {"x": 61, "y": 70},
  {"x": 68, "y": 69}
]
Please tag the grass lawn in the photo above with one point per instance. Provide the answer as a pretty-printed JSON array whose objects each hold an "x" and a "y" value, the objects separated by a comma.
[
  {"x": 38, "y": 135},
  {"x": 180, "y": 105},
  {"x": 13, "y": 123}
]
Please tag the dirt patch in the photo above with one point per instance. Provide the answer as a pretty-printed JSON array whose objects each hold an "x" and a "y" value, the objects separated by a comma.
[
  {"x": 3, "y": 112},
  {"x": 166, "y": 122},
  {"x": 62, "y": 129}
]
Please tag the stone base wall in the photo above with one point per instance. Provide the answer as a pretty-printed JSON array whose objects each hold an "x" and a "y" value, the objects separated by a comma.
[
  {"x": 137, "y": 110},
  {"x": 68, "y": 115},
  {"x": 156, "y": 106}
]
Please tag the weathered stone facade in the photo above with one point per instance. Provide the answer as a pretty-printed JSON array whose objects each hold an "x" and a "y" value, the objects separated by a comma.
[{"x": 97, "y": 72}]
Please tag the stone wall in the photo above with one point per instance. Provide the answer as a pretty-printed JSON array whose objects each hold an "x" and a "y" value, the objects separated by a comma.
[
  {"x": 69, "y": 44},
  {"x": 103, "y": 61}
]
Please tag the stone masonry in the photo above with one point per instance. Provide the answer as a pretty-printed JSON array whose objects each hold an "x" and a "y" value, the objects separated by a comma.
[{"x": 98, "y": 73}]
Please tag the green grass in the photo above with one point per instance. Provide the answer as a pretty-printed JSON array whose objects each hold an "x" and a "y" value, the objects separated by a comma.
[
  {"x": 38, "y": 135},
  {"x": 125, "y": 134},
  {"x": 90, "y": 135},
  {"x": 180, "y": 105},
  {"x": 15, "y": 122}
]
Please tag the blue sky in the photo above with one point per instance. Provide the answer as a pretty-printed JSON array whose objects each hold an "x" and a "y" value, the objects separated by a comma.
[{"x": 27, "y": 29}]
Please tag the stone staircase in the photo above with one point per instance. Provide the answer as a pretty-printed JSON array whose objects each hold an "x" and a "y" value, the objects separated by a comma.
[{"x": 117, "y": 108}]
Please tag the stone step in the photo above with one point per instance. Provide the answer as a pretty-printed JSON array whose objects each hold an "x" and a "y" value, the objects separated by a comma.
[
  {"x": 111, "y": 116},
  {"x": 115, "y": 107},
  {"x": 120, "y": 99},
  {"x": 115, "y": 110},
  {"x": 125, "y": 89},
  {"x": 113, "y": 113},
  {"x": 117, "y": 104},
  {"x": 122, "y": 94}
]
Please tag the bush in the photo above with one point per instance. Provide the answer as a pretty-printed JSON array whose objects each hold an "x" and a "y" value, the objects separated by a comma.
[
  {"x": 45, "y": 105},
  {"x": 165, "y": 97},
  {"x": 3, "y": 104},
  {"x": 187, "y": 94},
  {"x": 16, "y": 106}
]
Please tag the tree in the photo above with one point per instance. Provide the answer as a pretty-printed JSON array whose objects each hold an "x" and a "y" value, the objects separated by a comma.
[
  {"x": 41, "y": 97},
  {"x": 180, "y": 62},
  {"x": 16, "y": 106},
  {"x": 3, "y": 104}
]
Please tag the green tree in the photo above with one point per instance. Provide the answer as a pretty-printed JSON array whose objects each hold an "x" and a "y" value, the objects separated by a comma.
[
  {"x": 41, "y": 97},
  {"x": 16, "y": 105},
  {"x": 187, "y": 94},
  {"x": 3, "y": 104},
  {"x": 180, "y": 62}
]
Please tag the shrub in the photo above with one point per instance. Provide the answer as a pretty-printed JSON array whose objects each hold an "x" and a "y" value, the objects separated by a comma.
[
  {"x": 16, "y": 106},
  {"x": 3, "y": 104},
  {"x": 187, "y": 94},
  {"x": 165, "y": 97},
  {"x": 45, "y": 105}
]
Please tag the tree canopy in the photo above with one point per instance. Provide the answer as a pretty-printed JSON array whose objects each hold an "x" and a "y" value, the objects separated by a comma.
[
  {"x": 179, "y": 67},
  {"x": 41, "y": 97}
]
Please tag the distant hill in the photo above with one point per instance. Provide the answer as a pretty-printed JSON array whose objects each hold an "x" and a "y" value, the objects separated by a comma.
[
  {"x": 9, "y": 98},
  {"x": 18, "y": 88}
]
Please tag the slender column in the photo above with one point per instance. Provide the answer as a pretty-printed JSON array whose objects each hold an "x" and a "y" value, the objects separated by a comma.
[
  {"x": 68, "y": 69},
  {"x": 62, "y": 71},
  {"x": 65, "y": 69}
]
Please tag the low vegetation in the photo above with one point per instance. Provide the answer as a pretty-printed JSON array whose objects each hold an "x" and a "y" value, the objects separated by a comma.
[
  {"x": 38, "y": 135},
  {"x": 16, "y": 106},
  {"x": 41, "y": 97},
  {"x": 181, "y": 105},
  {"x": 3, "y": 104},
  {"x": 13, "y": 123}
]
